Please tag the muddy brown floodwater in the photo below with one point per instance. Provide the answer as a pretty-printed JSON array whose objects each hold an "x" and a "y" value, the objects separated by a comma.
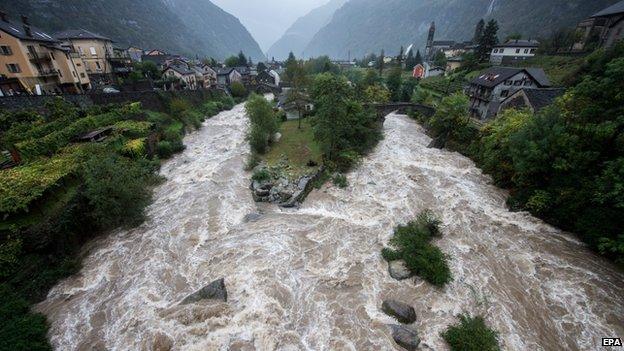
[{"x": 313, "y": 278}]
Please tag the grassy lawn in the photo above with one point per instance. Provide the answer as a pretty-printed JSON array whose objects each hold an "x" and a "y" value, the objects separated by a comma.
[
  {"x": 559, "y": 69},
  {"x": 297, "y": 145}
]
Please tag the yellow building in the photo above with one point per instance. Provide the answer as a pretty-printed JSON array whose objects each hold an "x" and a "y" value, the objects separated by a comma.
[
  {"x": 95, "y": 50},
  {"x": 33, "y": 62}
]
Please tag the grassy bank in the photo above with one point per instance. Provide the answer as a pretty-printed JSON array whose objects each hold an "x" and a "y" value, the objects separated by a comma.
[{"x": 66, "y": 192}]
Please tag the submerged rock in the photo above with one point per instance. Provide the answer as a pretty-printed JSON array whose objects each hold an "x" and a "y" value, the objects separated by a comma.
[
  {"x": 403, "y": 312},
  {"x": 398, "y": 270},
  {"x": 405, "y": 337},
  {"x": 252, "y": 217},
  {"x": 213, "y": 291}
]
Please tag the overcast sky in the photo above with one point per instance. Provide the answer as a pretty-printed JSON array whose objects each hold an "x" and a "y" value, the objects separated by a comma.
[{"x": 267, "y": 20}]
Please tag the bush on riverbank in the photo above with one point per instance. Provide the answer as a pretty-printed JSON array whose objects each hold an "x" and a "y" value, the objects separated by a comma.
[
  {"x": 65, "y": 193},
  {"x": 412, "y": 244},
  {"x": 471, "y": 334}
]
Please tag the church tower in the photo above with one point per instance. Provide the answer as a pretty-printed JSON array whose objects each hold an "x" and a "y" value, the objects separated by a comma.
[{"x": 429, "y": 49}]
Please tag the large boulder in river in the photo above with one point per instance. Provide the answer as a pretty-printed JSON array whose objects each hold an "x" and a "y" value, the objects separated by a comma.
[
  {"x": 398, "y": 270},
  {"x": 405, "y": 337},
  {"x": 403, "y": 312},
  {"x": 213, "y": 291}
]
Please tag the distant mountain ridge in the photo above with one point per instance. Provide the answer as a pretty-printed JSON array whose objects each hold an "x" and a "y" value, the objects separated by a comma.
[
  {"x": 366, "y": 26},
  {"x": 303, "y": 30},
  {"x": 189, "y": 27}
]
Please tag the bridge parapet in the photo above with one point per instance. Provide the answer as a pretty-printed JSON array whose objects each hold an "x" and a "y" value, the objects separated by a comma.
[{"x": 384, "y": 109}]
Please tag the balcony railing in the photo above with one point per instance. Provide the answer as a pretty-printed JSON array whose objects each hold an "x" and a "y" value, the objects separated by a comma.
[
  {"x": 39, "y": 56},
  {"x": 48, "y": 73}
]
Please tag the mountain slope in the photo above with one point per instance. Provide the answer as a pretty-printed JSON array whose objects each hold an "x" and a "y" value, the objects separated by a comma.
[
  {"x": 302, "y": 31},
  {"x": 190, "y": 27},
  {"x": 365, "y": 26}
]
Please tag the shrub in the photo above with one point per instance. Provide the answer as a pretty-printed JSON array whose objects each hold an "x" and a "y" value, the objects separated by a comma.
[
  {"x": 281, "y": 116},
  {"x": 238, "y": 89},
  {"x": 252, "y": 161},
  {"x": 116, "y": 190},
  {"x": 20, "y": 330},
  {"x": 261, "y": 175},
  {"x": 471, "y": 334},
  {"x": 134, "y": 148},
  {"x": 166, "y": 149},
  {"x": 411, "y": 243},
  {"x": 263, "y": 123},
  {"x": 340, "y": 181},
  {"x": 227, "y": 102}
]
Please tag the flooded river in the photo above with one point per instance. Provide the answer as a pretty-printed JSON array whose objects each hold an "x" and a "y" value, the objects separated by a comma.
[{"x": 313, "y": 278}]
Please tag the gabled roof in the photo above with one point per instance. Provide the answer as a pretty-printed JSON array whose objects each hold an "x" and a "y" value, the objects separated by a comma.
[
  {"x": 225, "y": 71},
  {"x": 496, "y": 75},
  {"x": 615, "y": 9},
  {"x": 540, "y": 98},
  {"x": 518, "y": 43},
  {"x": 18, "y": 30},
  {"x": 180, "y": 68},
  {"x": 80, "y": 34}
]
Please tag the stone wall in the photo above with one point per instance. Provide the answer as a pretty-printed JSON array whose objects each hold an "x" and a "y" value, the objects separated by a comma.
[{"x": 152, "y": 100}]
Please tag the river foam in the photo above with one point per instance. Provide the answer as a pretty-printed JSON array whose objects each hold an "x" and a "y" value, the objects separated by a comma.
[{"x": 313, "y": 278}]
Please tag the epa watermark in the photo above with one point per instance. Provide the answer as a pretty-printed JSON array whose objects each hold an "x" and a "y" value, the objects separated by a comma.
[{"x": 614, "y": 342}]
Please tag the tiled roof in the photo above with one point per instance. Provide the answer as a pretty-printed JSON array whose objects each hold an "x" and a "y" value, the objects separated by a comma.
[
  {"x": 540, "y": 98},
  {"x": 519, "y": 44},
  {"x": 611, "y": 10},
  {"x": 18, "y": 30},
  {"x": 496, "y": 75}
]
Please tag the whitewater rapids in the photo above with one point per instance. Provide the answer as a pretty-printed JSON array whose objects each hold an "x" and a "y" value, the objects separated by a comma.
[{"x": 313, "y": 278}]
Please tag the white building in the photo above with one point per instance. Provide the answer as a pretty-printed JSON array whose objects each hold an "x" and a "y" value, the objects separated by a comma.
[{"x": 513, "y": 51}]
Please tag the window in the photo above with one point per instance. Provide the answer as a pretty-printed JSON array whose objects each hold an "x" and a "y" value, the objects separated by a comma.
[
  {"x": 82, "y": 75},
  {"x": 532, "y": 51},
  {"x": 80, "y": 50},
  {"x": 74, "y": 73},
  {"x": 6, "y": 50},
  {"x": 527, "y": 83},
  {"x": 60, "y": 74},
  {"x": 518, "y": 82},
  {"x": 97, "y": 64},
  {"x": 495, "y": 51},
  {"x": 79, "y": 64},
  {"x": 13, "y": 67},
  {"x": 526, "y": 51},
  {"x": 517, "y": 51},
  {"x": 508, "y": 82},
  {"x": 93, "y": 52},
  {"x": 52, "y": 55}
]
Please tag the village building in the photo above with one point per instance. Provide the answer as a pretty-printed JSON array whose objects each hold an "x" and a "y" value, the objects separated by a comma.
[
  {"x": 186, "y": 77},
  {"x": 493, "y": 86},
  {"x": 227, "y": 76},
  {"x": 265, "y": 77},
  {"x": 95, "y": 51},
  {"x": 513, "y": 51},
  {"x": 34, "y": 62},
  {"x": 532, "y": 99},
  {"x": 453, "y": 63},
  {"x": 121, "y": 62},
  {"x": 209, "y": 75},
  {"x": 602, "y": 29},
  {"x": 135, "y": 53}
]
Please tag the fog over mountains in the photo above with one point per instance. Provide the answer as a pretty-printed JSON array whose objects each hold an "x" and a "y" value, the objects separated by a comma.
[
  {"x": 190, "y": 27},
  {"x": 365, "y": 26}
]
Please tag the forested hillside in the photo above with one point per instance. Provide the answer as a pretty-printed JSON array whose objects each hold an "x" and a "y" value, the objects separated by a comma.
[
  {"x": 191, "y": 27},
  {"x": 366, "y": 26}
]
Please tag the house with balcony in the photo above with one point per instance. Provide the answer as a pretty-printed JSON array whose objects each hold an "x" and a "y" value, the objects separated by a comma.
[
  {"x": 496, "y": 84},
  {"x": 226, "y": 76},
  {"x": 513, "y": 51},
  {"x": 182, "y": 74},
  {"x": 33, "y": 62},
  {"x": 95, "y": 50}
]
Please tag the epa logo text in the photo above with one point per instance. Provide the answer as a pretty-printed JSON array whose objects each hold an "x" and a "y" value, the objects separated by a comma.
[{"x": 611, "y": 342}]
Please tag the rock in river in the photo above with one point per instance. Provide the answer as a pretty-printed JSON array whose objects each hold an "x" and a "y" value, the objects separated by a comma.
[
  {"x": 405, "y": 337},
  {"x": 403, "y": 312},
  {"x": 398, "y": 270},
  {"x": 213, "y": 291}
]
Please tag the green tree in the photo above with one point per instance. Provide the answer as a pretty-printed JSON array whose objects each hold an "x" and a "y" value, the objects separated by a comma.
[
  {"x": 263, "y": 123},
  {"x": 376, "y": 93},
  {"x": 342, "y": 127},
  {"x": 410, "y": 61},
  {"x": 370, "y": 78},
  {"x": 488, "y": 40},
  {"x": 394, "y": 82},
  {"x": 418, "y": 58},
  {"x": 242, "y": 59},
  {"x": 262, "y": 67},
  {"x": 439, "y": 59},
  {"x": 297, "y": 94},
  {"x": 231, "y": 61},
  {"x": 238, "y": 89},
  {"x": 478, "y": 31}
]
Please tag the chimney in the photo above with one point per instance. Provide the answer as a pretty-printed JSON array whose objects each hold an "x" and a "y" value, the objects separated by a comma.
[
  {"x": 27, "y": 30},
  {"x": 25, "y": 20},
  {"x": 4, "y": 17}
]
